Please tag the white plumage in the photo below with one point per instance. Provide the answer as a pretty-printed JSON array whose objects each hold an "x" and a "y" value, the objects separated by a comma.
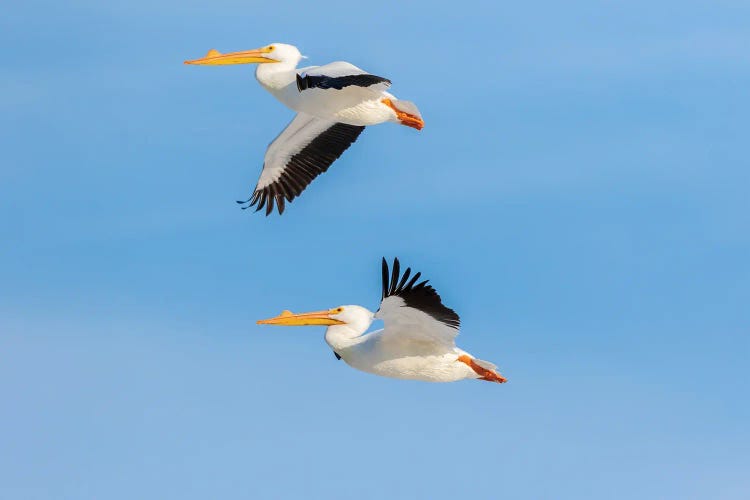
[
  {"x": 334, "y": 103},
  {"x": 417, "y": 341}
]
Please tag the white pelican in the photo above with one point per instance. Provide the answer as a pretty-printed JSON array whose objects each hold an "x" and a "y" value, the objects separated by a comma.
[
  {"x": 334, "y": 103},
  {"x": 417, "y": 341}
]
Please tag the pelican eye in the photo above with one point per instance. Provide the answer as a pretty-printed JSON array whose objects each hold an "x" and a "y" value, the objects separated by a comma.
[
  {"x": 339, "y": 309},
  {"x": 271, "y": 47}
]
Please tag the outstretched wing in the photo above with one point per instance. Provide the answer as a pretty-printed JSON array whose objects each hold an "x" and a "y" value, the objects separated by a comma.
[
  {"x": 303, "y": 151},
  {"x": 340, "y": 75},
  {"x": 412, "y": 310}
]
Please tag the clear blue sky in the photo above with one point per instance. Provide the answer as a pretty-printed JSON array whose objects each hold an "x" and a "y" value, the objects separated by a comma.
[{"x": 579, "y": 195}]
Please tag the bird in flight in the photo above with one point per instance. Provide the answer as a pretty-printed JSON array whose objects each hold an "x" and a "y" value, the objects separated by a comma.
[
  {"x": 418, "y": 341},
  {"x": 334, "y": 104}
]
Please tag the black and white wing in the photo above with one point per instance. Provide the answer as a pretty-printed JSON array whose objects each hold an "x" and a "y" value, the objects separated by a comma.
[
  {"x": 340, "y": 75},
  {"x": 412, "y": 311},
  {"x": 304, "y": 150}
]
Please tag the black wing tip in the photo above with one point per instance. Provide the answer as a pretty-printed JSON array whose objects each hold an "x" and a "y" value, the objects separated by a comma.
[
  {"x": 384, "y": 271},
  {"x": 264, "y": 199},
  {"x": 418, "y": 294},
  {"x": 304, "y": 167},
  {"x": 397, "y": 283}
]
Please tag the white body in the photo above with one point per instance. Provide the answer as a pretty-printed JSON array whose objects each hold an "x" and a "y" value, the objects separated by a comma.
[
  {"x": 372, "y": 353},
  {"x": 418, "y": 341},
  {"x": 416, "y": 348},
  {"x": 353, "y": 105}
]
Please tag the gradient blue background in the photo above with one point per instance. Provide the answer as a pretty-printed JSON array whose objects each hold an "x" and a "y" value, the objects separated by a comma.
[{"x": 579, "y": 195}]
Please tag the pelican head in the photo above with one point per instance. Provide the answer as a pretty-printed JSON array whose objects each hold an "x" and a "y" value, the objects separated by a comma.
[
  {"x": 273, "y": 53},
  {"x": 355, "y": 317}
]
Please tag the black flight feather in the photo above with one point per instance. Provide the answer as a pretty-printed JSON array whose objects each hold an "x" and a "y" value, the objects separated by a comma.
[
  {"x": 303, "y": 167},
  {"x": 338, "y": 82},
  {"x": 417, "y": 295}
]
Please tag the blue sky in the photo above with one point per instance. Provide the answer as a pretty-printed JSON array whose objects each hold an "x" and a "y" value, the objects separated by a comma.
[{"x": 578, "y": 195}]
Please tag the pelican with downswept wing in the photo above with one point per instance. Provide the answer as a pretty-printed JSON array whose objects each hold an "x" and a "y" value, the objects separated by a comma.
[{"x": 334, "y": 104}]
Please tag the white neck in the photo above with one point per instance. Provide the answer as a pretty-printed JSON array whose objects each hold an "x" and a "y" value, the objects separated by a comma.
[
  {"x": 341, "y": 337},
  {"x": 275, "y": 76}
]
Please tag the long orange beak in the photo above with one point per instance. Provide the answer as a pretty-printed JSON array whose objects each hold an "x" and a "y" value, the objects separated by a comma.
[
  {"x": 288, "y": 318},
  {"x": 216, "y": 58}
]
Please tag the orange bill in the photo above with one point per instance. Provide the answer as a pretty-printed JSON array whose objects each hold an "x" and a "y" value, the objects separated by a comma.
[
  {"x": 288, "y": 318},
  {"x": 216, "y": 58}
]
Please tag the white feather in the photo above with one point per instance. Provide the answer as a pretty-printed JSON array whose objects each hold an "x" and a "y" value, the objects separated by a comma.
[{"x": 302, "y": 130}]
